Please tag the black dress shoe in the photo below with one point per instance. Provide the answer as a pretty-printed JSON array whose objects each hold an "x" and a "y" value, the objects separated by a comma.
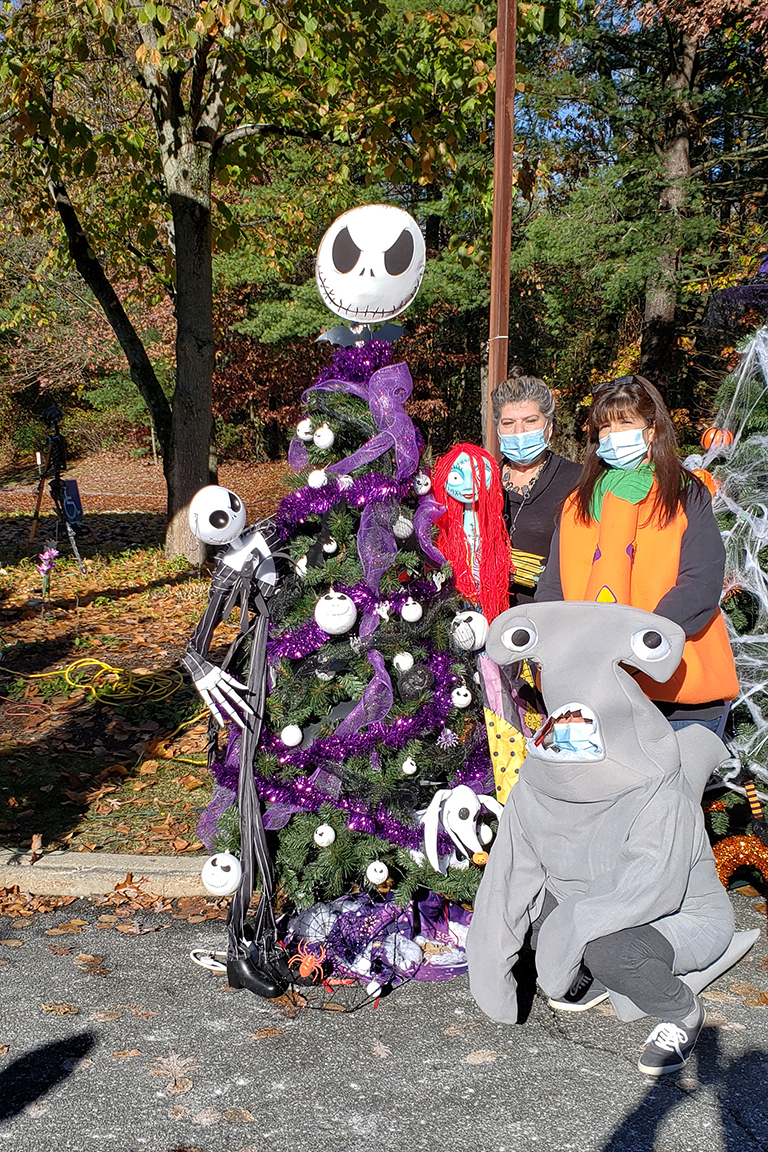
[{"x": 243, "y": 972}]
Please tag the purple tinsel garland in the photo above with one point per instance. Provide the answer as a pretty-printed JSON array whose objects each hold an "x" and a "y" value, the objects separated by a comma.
[
  {"x": 300, "y": 794},
  {"x": 307, "y": 502},
  {"x": 309, "y": 636}
]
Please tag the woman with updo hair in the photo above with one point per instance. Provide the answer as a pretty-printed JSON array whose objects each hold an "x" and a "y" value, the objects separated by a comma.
[{"x": 534, "y": 478}]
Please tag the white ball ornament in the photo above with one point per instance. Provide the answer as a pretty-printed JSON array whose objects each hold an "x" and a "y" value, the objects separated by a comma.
[
  {"x": 403, "y": 661},
  {"x": 469, "y": 631},
  {"x": 291, "y": 735},
  {"x": 324, "y": 836},
  {"x": 402, "y": 528},
  {"x": 324, "y": 437},
  {"x": 335, "y": 613},
  {"x": 330, "y": 547},
  {"x": 421, "y": 484},
  {"x": 461, "y": 697},
  {"x": 345, "y": 481},
  {"x": 222, "y": 874},
  {"x": 409, "y": 766},
  {"x": 304, "y": 430},
  {"x": 376, "y": 872},
  {"x": 411, "y": 611},
  {"x": 317, "y": 478}
]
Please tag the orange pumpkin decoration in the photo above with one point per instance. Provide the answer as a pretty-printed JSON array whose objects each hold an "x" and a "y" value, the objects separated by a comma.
[
  {"x": 707, "y": 479},
  {"x": 716, "y": 438}
]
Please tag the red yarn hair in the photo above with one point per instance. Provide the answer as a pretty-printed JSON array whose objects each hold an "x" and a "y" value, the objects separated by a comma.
[{"x": 495, "y": 564}]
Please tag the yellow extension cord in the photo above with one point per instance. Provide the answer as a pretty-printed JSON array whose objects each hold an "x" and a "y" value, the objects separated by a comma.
[{"x": 120, "y": 686}]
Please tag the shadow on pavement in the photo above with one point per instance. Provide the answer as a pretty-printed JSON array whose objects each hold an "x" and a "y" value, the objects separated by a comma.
[
  {"x": 743, "y": 1110},
  {"x": 35, "y": 1074}
]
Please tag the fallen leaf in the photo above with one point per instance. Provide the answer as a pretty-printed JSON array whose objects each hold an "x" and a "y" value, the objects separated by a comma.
[
  {"x": 742, "y": 989},
  {"x": 207, "y": 1117},
  {"x": 60, "y": 950},
  {"x": 36, "y": 846},
  {"x": 482, "y": 1056},
  {"x": 289, "y": 1003},
  {"x": 179, "y": 1087},
  {"x": 124, "y": 828},
  {"x": 715, "y": 1018},
  {"x": 177, "y": 1112},
  {"x": 734, "y": 1027},
  {"x": 106, "y": 1014},
  {"x": 138, "y": 1012},
  {"x": 239, "y": 1116},
  {"x": 12, "y": 943},
  {"x": 140, "y": 785},
  {"x": 127, "y": 1053},
  {"x": 380, "y": 1050},
  {"x": 721, "y": 997},
  {"x": 149, "y": 768},
  {"x": 762, "y": 908},
  {"x": 265, "y": 1033},
  {"x": 35, "y": 1110},
  {"x": 61, "y": 1009},
  {"x": 180, "y": 845},
  {"x": 76, "y": 1064},
  {"x": 4, "y": 1048}
]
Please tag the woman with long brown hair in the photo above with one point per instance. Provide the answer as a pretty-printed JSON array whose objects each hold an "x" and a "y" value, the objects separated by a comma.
[{"x": 639, "y": 530}]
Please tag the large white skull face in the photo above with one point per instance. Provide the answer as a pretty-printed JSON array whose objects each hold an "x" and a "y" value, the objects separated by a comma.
[
  {"x": 216, "y": 515},
  {"x": 370, "y": 263}
]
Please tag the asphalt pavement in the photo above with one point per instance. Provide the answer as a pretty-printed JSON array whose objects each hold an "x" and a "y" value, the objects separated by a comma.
[{"x": 117, "y": 1041}]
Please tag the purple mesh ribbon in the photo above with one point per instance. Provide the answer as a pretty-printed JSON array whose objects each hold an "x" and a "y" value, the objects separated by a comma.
[
  {"x": 278, "y": 815},
  {"x": 325, "y": 780},
  {"x": 375, "y": 703},
  {"x": 223, "y": 798},
  {"x": 376, "y": 544},
  {"x": 386, "y": 393},
  {"x": 298, "y": 457},
  {"x": 428, "y": 511}
]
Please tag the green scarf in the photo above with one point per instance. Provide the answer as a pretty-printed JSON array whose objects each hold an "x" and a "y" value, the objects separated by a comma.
[{"x": 632, "y": 485}]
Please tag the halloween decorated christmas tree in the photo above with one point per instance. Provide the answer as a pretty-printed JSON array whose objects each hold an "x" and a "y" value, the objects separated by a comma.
[{"x": 354, "y": 708}]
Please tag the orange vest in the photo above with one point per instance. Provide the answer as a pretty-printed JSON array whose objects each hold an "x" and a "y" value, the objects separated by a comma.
[{"x": 707, "y": 671}]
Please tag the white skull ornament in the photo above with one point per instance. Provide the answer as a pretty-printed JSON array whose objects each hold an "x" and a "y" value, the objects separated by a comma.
[
  {"x": 370, "y": 263},
  {"x": 335, "y": 613}
]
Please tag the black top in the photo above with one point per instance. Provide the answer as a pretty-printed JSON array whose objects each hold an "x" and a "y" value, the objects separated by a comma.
[{"x": 531, "y": 519}]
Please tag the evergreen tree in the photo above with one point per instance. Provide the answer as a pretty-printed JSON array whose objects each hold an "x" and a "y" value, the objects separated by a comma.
[{"x": 373, "y": 707}]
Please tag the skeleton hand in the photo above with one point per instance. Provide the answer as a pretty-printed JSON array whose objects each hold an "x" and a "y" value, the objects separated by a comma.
[
  {"x": 457, "y": 810},
  {"x": 220, "y": 692}
]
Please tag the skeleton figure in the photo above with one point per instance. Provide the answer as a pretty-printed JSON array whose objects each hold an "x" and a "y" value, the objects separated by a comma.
[
  {"x": 245, "y": 575},
  {"x": 605, "y": 819}
]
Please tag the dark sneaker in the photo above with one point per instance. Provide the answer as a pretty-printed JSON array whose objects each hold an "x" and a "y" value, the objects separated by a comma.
[
  {"x": 583, "y": 994},
  {"x": 669, "y": 1046}
]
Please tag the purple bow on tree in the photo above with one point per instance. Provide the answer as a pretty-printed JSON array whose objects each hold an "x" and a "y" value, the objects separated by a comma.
[{"x": 385, "y": 393}]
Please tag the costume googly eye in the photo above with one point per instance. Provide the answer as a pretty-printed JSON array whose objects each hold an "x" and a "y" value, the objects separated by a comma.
[
  {"x": 650, "y": 644},
  {"x": 520, "y": 637}
]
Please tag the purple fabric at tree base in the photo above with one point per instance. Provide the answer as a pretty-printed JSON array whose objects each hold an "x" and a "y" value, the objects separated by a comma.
[
  {"x": 374, "y": 939},
  {"x": 223, "y": 798}
]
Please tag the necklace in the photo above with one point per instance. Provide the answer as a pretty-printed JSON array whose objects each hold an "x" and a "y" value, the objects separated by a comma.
[{"x": 523, "y": 490}]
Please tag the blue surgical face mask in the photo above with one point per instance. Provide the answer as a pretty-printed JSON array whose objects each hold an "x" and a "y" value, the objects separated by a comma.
[
  {"x": 578, "y": 738},
  {"x": 523, "y": 447},
  {"x": 623, "y": 449}
]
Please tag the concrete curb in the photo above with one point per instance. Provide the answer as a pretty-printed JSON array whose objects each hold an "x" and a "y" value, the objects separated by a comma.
[{"x": 91, "y": 873}]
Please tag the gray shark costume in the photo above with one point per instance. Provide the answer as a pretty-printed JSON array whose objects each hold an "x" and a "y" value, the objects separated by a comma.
[{"x": 608, "y": 825}]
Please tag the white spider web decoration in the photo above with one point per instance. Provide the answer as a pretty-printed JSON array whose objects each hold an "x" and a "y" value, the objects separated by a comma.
[{"x": 741, "y": 505}]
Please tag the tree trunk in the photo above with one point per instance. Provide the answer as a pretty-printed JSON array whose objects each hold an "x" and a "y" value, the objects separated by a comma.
[
  {"x": 139, "y": 364},
  {"x": 188, "y": 175},
  {"x": 657, "y": 349}
]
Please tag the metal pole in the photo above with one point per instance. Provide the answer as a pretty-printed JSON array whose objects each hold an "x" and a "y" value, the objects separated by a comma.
[{"x": 504, "y": 134}]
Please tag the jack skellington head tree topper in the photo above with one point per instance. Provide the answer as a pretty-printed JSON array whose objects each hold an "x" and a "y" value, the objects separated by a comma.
[{"x": 369, "y": 267}]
